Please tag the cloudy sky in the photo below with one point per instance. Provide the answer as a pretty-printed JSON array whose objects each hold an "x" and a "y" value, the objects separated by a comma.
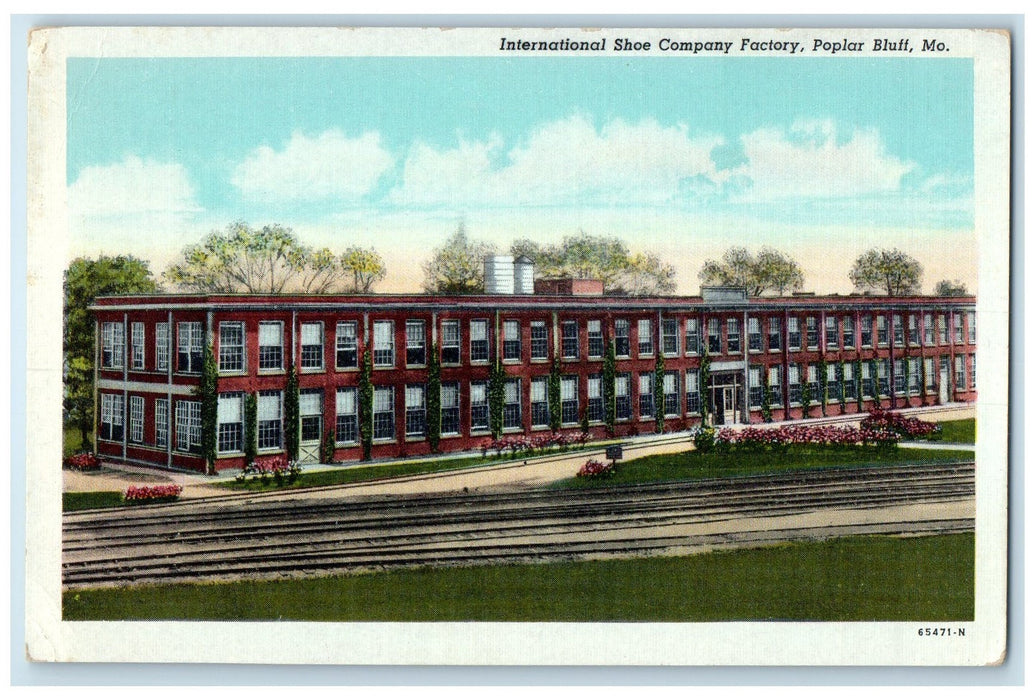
[{"x": 821, "y": 157}]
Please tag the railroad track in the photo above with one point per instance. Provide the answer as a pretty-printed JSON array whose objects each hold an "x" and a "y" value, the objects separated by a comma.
[{"x": 262, "y": 538}]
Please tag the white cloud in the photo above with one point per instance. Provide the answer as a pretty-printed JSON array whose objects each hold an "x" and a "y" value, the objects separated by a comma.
[
  {"x": 310, "y": 169},
  {"x": 561, "y": 163},
  {"x": 133, "y": 187},
  {"x": 810, "y": 161}
]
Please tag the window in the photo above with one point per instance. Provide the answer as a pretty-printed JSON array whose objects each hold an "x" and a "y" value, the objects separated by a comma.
[
  {"x": 480, "y": 341},
  {"x": 883, "y": 385},
  {"x": 161, "y": 422},
  {"x": 312, "y": 345},
  {"x": 416, "y": 413},
  {"x": 882, "y": 331},
  {"x": 112, "y": 409},
  {"x": 776, "y": 385},
  {"x": 230, "y": 419},
  {"x": 113, "y": 345},
  {"x": 511, "y": 341},
  {"x": 623, "y": 400},
  {"x": 569, "y": 399},
  {"x": 900, "y": 376},
  {"x": 957, "y": 327},
  {"x": 693, "y": 337},
  {"x": 384, "y": 413},
  {"x": 867, "y": 380},
  {"x": 929, "y": 373},
  {"x": 670, "y": 336},
  {"x": 973, "y": 372},
  {"x": 943, "y": 330},
  {"x": 714, "y": 340},
  {"x": 136, "y": 339},
  {"x": 794, "y": 384},
  {"x": 450, "y": 342},
  {"x": 346, "y": 424},
  {"x": 271, "y": 345},
  {"x": 384, "y": 345},
  {"x": 346, "y": 345},
  {"x": 621, "y": 337},
  {"x": 914, "y": 375},
  {"x": 268, "y": 420},
  {"x": 813, "y": 380},
  {"x": 569, "y": 340},
  {"x": 754, "y": 334},
  {"x": 775, "y": 333},
  {"x": 896, "y": 326},
  {"x": 833, "y": 388},
  {"x": 540, "y": 344},
  {"x": 755, "y": 387},
  {"x": 162, "y": 350},
  {"x": 188, "y": 357},
  {"x": 732, "y": 335},
  {"x": 596, "y": 338},
  {"x": 971, "y": 327},
  {"x": 645, "y": 336},
  {"x": 928, "y": 329},
  {"x": 794, "y": 333},
  {"x": 310, "y": 413},
  {"x": 914, "y": 331},
  {"x": 961, "y": 373},
  {"x": 866, "y": 331},
  {"x": 231, "y": 346},
  {"x": 848, "y": 332},
  {"x": 812, "y": 332},
  {"x": 512, "y": 403},
  {"x": 693, "y": 392},
  {"x": 595, "y": 398},
  {"x": 540, "y": 403},
  {"x": 646, "y": 395},
  {"x": 479, "y": 407},
  {"x": 849, "y": 375},
  {"x": 188, "y": 425},
  {"x": 670, "y": 390},
  {"x": 416, "y": 343},
  {"x": 831, "y": 333},
  {"x": 450, "y": 406},
  {"x": 136, "y": 418}
]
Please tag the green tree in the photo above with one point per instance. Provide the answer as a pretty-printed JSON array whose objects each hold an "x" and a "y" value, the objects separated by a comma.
[
  {"x": 769, "y": 271},
  {"x": 208, "y": 392},
  {"x": 955, "y": 288},
  {"x": 434, "y": 398},
  {"x": 84, "y": 281},
  {"x": 889, "y": 271},
  {"x": 458, "y": 266},
  {"x": 251, "y": 422},
  {"x": 607, "y": 391},
  {"x": 365, "y": 406},
  {"x": 366, "y": 267},
  {"x": 291, "y": 412}
]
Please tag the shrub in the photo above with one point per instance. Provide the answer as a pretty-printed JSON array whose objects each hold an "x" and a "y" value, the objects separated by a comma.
[
  {"x": 153, "y": 494},
  {"x": 594, "y": 469},
  {"x": 266, "y": 469},
  {"x": 704, "y": 439},
  {"x": 83, "y": 462},
  {"x": 905, "y": 428}
]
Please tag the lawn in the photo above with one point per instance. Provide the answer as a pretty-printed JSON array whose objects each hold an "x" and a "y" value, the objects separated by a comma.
[
  {"x": 697, "y": 465},
  {"x": 855, "y": 578},
  {"x": 959, "y": 431},
  {"x": 83, "y": 500}
]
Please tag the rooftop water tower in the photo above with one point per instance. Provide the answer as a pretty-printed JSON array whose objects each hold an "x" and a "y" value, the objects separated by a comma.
[
  {"x": 499, "y": 274},
  {"x": 523, "y": 278}
]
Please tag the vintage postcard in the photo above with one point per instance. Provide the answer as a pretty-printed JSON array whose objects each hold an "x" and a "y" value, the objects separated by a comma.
[{"x": 558, "y": 346}]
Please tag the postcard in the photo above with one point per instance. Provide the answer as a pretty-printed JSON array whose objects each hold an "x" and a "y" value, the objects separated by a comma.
[{"x": 518, "y": 346}]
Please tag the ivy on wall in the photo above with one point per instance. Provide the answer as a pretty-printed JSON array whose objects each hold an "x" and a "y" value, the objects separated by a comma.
[
  {"x": 365, "y": 407},
  {"x": 554, "y": 395},
  {"x": 767, "y": 397},
  {"x": 291, "y": 424},
  {"x": 659, "y": 394},
  {"x": 251, "y": 421},
  {"x": 824, "y": 390},
  {"x": 434, "y": 411},
  {"x": 497, "y": 380},
  {"x": 207, "y": 391},
  {"x": 806, "y": 390},
  {"x": 857, "y": 370},
  {"x": 840, "y": 374},
  {"x": 608, "y": 389},
  {"x": 705, "y": 379}
]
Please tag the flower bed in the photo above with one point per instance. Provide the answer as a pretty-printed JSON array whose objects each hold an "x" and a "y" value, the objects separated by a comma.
[
  {"x": 153, "y": 494},
  {"x": 594, "y": 469},
  {"x": 906, "y": 428},
  {"x": 266, "y": 470},
  {"x": 532, "y": 445},
  {"x": 83, "y": 462},
  {"x": 777, "y": 439}
]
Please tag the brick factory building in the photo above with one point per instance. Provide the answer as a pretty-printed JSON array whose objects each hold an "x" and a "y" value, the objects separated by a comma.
[{"x": 902, "y": 351}]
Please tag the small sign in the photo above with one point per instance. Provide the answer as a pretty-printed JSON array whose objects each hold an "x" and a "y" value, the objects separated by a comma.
[{"x": 614, "y": 452}]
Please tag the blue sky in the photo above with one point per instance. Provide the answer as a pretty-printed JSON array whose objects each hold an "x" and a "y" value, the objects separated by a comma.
[{"x": 679, "y": 155}]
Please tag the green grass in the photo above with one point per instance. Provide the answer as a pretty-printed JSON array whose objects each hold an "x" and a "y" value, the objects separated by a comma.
[
  {"x": 82, "y": 500},
  {"x": 960, "y": 431},
  {"x": 697, "y": 465},
  {"x": 854, "y": 578}
]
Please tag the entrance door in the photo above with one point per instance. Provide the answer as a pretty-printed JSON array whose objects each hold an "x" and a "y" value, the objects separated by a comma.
[
  {"x": 729, "y": 404},
  {"x": 310, "y": 413}
]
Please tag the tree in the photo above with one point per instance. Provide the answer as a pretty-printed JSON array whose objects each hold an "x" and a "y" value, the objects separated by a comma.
[
  {"x": 84, "y": 281},
  {"x": 317, "y": 270},
  {"x": 889, "y": 271},
  {"x": 458, "y": 266},
  {"x": 606, "y": 258},
  {"x": 955, "y": 288},
  {"x": 365, "y": 265},
  {"x": 770, "y": 270}
]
